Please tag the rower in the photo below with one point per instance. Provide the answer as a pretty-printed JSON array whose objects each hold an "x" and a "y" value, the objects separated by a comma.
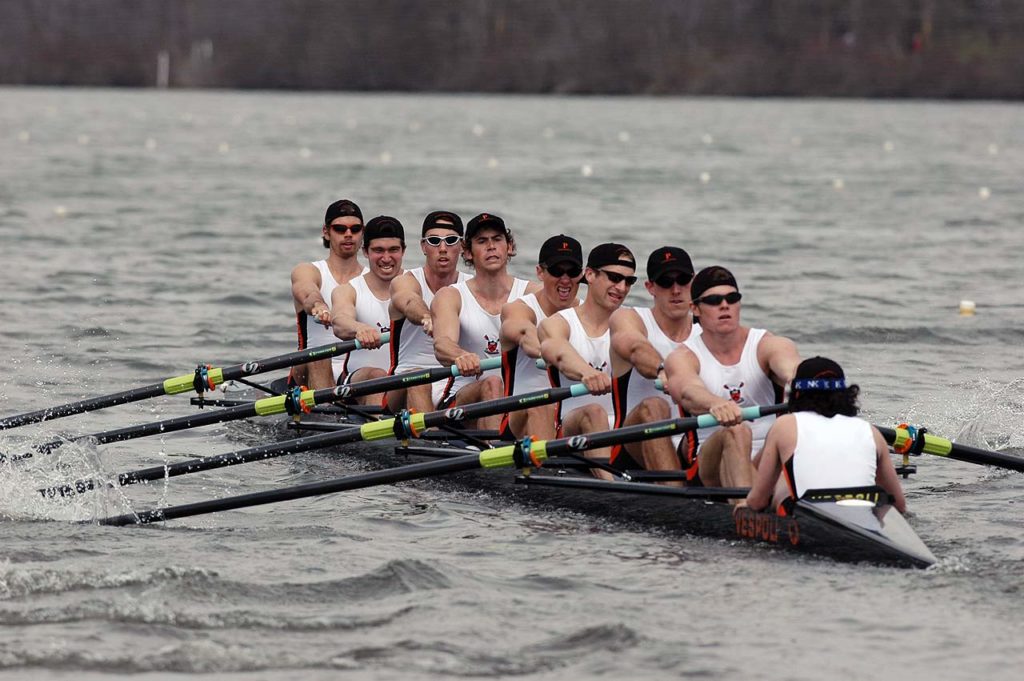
[
  {"x": 312, "y": 285},
  {"x": 821, "y": 444},
  {"x": 411, "y": 345},
  {"x": 559, "y": 270},
  {"x": 641, "y": 339},
  {"x": 467, "y": 315},
  {"x": 361, "y": 306},
  {"x": 575, "y": 344},
  {"x": 724, "y": 368}
]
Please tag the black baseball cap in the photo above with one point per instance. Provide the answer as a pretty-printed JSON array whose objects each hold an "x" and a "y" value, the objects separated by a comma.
[
  {"x": 819, "y": 373},
  {"x": 710, "y": 277},
  {"x": 560, "y": 248},
  {"x": 485, "y": 221},
  {"x": 342, "y": 208},
  {"x": 668, "y": 259},
  {"x": 383, "y": 227},
  {"x": 610, "y": 254},
  {"x": 442, "y": 219}
]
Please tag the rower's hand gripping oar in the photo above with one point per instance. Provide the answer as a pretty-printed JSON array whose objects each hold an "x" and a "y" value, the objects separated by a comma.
[
  {"x": 522, "y": 454},
  {"x": 296, "y": 402},
  {"x": 204, "y": 378},
  {"x": 911, "y": 441}
]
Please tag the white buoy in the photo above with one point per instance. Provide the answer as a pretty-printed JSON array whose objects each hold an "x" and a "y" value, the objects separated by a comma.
[
  {"x": 705, "y": 177},
  {"x": 24, "y": 136},
  {"x": 150, "y": 143},
  {"x": 624, "y": 136},
  {"x": 586, "y": 170},
  {"x": 838, "y": 184},
  {"x": 492, "y": 163},
  {"x": 83, "y": 139},
  {"x": 993, "y": 149},
  {"x": 478, "y": 130},
  {"x": 888, "y": 146},
  {"x": 305, "y": 152},
  {"x": 223, "y": 147},
  {"x": 706, "y": 138},
  {"x": 385, "y": 157},
  {"x": 984, "y": 193},
  {"x": 60, "y": 211},
  {"x": 967, "y": 308}
]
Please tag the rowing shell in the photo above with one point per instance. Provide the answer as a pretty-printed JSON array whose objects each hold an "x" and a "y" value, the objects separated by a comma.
[{"x": 848, "y": 530}]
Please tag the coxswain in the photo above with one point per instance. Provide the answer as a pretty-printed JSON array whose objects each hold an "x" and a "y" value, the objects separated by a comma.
[
  {"x": 575, "y": 343},
  {"x": 412, "y": 344},
  {"x": 726, "y": 367},
  {"x": 312, "y": 285},
  {"x": 559, "y": 271},
  {"x": 821, "y": 443},
  {"x": 467, "y": 316},
  {"x": 360, "y": 307},
  {"x": 641, "y": 339}
]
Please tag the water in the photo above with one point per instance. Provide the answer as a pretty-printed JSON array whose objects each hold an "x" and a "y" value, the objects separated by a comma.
[{"x": 143, "y": 232}]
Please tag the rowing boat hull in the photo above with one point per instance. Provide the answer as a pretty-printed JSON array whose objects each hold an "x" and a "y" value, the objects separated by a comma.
[{"x": 848, "y": 533}]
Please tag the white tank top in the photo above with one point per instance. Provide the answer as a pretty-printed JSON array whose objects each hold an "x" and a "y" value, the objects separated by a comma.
[
  {"x": 415, "y": 348},
  {"x": 639, "y": 388},
  {"x": 373, "y": 311},
  {"x": 316, "y": 333},
  {"x": 480, "y": 331},
  {"x": 526, "y": 377},
  {"x": 744, "y": 382},
  {"x": 596, "y": 353},
  {"x": 831, "y": 452}
]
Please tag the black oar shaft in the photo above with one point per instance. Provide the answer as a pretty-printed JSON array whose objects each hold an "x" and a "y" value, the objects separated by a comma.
[
  {"x": 411, "y": 472},
  {"x": 179, "y": 384}
]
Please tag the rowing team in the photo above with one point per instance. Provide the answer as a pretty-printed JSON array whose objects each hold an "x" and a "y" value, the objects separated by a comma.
[{"x": 690, "y": 339}]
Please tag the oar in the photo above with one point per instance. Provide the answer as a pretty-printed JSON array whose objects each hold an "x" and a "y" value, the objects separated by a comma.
[
  {"x": 402, "y": 426},
  {"x": 521, "y": 454},
  {"x": 932, "y": 444},
  {"x": 294, "y": 402},
  {"x": 202, "y": 379}
]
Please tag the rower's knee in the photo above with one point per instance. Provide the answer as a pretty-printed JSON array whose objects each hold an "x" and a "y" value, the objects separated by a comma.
[
  {"x": 653, "y": 409},
  {"x": 595, "y": 417},
  {"x": 491, "y": 388}
]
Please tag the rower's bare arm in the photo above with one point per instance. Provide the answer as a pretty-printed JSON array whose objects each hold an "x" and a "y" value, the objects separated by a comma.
[
  {"x": 770, "y": 466},
  {"x": 519, "y": 327},
  {"x": 407, "y": 300},
  {"x": 885, "y": 473},
  {"x": 780, "y": 357},
  {"x": 682, "y": 369},
  {"x": 445, "y": 310},
  {"x": 346, "y": 327},
  {"x": 631, "y": 345},
  {"x": 533, "y": 287},
  {"x": 306, "y": 292}
]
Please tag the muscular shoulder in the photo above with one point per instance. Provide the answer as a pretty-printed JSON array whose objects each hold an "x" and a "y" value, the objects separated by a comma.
[
  {"x": 517, "y": 309},
  {"x": 306, "y": 271},
  {"x": 405, "y": 283},
  {"x": 626, "y": 319}
]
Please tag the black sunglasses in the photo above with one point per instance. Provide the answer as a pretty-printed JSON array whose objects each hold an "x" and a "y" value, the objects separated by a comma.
[
  {"x": 668, "y": 280},
  {"x": 717, "y": 298},
  {"x": 342, "y": 229},
  {"x": 559, "y": 271},
  {"x": 436, "y": 241},
  {"x": 615, "y": 277}
]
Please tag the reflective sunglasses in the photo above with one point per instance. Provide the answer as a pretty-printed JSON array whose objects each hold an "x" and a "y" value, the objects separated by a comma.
[
  {"x": 615, "y": 277},
  {"x": 559, "y": 271},
  {"x": 668, "y": 281},
  {"x": 717, "y": 298},
  {"x": 343, "y": 229},
  {"x": 436, "y": 241}
]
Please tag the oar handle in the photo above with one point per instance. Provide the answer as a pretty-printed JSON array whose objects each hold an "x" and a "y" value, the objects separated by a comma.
[{"x": 658, "y": 385}]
